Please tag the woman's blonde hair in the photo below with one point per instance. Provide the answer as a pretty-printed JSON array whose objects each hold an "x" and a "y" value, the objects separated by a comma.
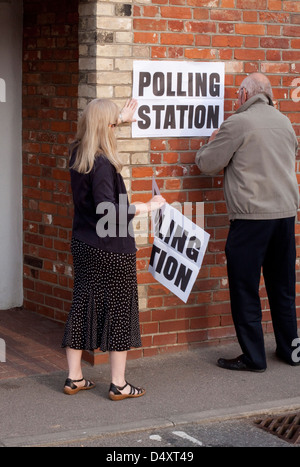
[{"x": 95, "y": 137}]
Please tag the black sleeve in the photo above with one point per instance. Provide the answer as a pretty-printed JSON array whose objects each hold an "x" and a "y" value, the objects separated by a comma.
[{"x": 106, "y": 190}]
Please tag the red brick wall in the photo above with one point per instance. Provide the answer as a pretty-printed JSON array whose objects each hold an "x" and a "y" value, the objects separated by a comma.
[
  {"x": 50, "y": 83},
  {"x": 248, "y": 35}
]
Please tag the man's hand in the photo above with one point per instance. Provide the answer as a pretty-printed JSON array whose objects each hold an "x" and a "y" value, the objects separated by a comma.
[{"x": 213, "y": 135}]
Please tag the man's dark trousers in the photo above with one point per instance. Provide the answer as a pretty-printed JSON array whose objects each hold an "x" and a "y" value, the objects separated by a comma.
[{"x": 269, "y": 246}]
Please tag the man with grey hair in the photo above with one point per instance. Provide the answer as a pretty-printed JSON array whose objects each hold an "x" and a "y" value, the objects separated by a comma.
[
  {"x": 257, "y": 147},
  {"x": 257, "y": 83}
]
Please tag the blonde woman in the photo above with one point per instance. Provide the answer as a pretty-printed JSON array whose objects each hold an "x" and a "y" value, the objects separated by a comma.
[{"x": 104, "y": 312}]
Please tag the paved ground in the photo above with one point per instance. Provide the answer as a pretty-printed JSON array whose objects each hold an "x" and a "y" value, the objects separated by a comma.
[{"x": 182, "y": 389}]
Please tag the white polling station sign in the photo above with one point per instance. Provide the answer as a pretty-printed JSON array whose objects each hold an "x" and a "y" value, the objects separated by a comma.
[
  {"x": 178, "y": 250},
  {"x": 177, "y": 98}
]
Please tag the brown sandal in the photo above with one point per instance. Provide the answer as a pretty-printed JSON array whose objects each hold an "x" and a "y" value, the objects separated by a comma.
[
  {"x": 117, "y": 395},
  {"x": 71, "y": 388}
]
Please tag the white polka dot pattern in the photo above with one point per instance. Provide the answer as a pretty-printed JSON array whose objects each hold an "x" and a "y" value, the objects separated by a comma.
[{"x": 104, "y": 312}]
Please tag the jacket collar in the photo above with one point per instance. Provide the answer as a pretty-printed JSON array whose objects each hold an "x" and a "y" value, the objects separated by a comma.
[{"x": 259, "y": 98}]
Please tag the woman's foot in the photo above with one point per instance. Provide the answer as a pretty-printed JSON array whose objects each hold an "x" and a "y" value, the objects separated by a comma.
[
  {"x": 117, "y": 393},
  {"x": 81, "y": 384}
]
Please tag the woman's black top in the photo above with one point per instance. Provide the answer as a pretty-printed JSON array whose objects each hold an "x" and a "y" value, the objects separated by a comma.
[{"x": 102, "y": 214}]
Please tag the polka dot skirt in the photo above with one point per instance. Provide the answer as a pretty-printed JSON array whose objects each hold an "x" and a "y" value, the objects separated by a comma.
[{"x": 104, "y": 312}]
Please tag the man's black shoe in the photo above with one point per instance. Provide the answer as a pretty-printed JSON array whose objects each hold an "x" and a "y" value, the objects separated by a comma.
[{"x": 237, "y": 364}]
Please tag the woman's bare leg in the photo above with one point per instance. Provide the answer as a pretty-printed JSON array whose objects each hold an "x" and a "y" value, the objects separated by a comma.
[
  {"x": 118, "y": 367},
  {"x": 74, "y": 364}
]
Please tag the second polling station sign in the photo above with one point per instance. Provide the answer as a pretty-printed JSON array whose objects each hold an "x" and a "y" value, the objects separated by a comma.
[
  {"x": 178, "y": 98},
  {"x": 178, "y": 249},
  {"x": 177, "y": 253}
]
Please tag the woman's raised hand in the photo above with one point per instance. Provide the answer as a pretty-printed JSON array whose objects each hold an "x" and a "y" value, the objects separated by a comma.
[{"x": 128, "y": 111}]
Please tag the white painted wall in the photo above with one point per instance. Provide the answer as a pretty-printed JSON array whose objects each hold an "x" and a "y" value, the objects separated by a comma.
[{"x": 11, "y": 263}]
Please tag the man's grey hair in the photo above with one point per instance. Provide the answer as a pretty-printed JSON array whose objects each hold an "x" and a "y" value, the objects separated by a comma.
[{"x": 257, "y": 83}]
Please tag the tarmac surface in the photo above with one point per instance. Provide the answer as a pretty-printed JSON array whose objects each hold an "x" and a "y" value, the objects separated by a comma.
[{"x": 182, "y": 388}]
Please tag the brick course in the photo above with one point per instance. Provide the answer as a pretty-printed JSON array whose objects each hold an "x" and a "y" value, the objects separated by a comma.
[
  {"x": 50, "y": 95},
  {"x": 247, "y": 35}
]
